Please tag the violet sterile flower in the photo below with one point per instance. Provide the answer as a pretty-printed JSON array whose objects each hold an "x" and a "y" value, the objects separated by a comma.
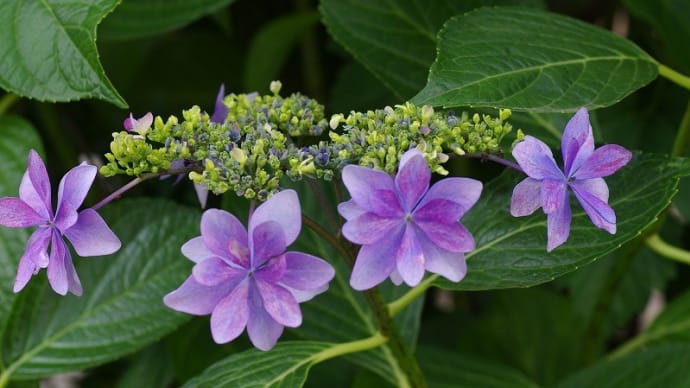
[
  {"x": 220, "y": 112},
  {"x": 86, "y": 230},
  {"x": 245, "y": 278},
  {"x": 405, "y": 226},
  {"x": 140, "y": 125},
  {"x": 584, "y": 168}
]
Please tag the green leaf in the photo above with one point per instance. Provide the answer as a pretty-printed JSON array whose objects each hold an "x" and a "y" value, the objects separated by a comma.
[
  {"x": 443, "y": 368},
  {"x": 396, "y": 40},
  {"x": 511, "y": 251},
  {"x": 271, "y": 45},
  {"x": 527, "y": 59},
  {"x": 49, "y": 51},
  {"x": 17, "y": 137},
  {"x": 151, "y": 368},
  {"x": 286, "y": 365},
  {"x": 135, "y": 19},
  {"x": 663, "y": 366},
  {"x": 121, "y": 309}
]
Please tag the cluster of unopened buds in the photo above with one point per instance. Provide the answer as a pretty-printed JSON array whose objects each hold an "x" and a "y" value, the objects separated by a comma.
[{"x": 404, "y": 225}]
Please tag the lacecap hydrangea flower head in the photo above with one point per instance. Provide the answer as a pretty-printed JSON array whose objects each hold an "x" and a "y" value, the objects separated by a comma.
[
  {"x": 584, "y": 168},
  {"x": 404, "y": 226},
  {"x": 245, "y": 278}
]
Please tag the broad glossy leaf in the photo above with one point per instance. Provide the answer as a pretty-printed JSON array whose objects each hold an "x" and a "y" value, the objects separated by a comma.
[
  {"x": 396, "y": 40},
  {"x": 527, "y": 59},
  {"x": 141, "y": 18},
  {"x": 663, "y": 366},
  {"x": 511, "y": 252},
  {"x": 286, "y": 365},
  {"x": 446, "y": 369},
  {"x": 122, "y": 308},
  {"x": 49, "y": 50},
  {"x": 18, "y": 137}
]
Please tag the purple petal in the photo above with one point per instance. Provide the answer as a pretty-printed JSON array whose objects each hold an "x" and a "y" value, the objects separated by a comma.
[
  {"x": 283, "y": 208},
  {"x": 375, "y": 262},
  {"x": 304, "y": 295},
  {"x": 526, "y": 197},
  {"x": 558, "y": 224},
  {"x": 72, "y": 278},
  {"x": 349, "y": 210},
  {"x": 598, "y": 211},
  {"x": 268, "y": 240},
  {"x": 15, "y": 213},
  {"x": 201, "y": 194},
  {"x": 225, "y": 236},
  {"x": 453, "y": 236},
  {"x": 367, "y": 187},
  {"x": 57, "y": 268},
  {"x": 280, "y": 304},
  {"x": 577, "y": 142},
  {"x": 91, "y": 236},
  {"x": 26, "y": 270},
  {"x": 410, "y": 258},
  {"x": 413, "y": 177},
  {"x": 37, "y": 247},
  {"x": 439, "y": 211},
  {"x": 369, "y": 228},
  {"x": 35, "y": 186},
  {"x": 463, "y": 191},
  {"x": 231, "y": 315},
  {"x": 603, "y": 162},
  {"x": 197, "y": 299},
  {"x": 196, "y": 250},
  {"x": 138, "y": 125},
  {"x": 306, "y": 272},
  {"x": 273, "y": 270},
  {"x": 262, "y": 329},
  {"x": 214, "y": 271},
  {"x": 536, "y": 159},
  {"x": 129, "y": 122},
  {"x": 553, "y": 193},
  {"x": 396, "y": 278},
  {"x": 71, "y": 194},
  {"x": 220, "y": 112},
  {"x": 594, "y": 186},
  {"x": 450, "y": 265}
]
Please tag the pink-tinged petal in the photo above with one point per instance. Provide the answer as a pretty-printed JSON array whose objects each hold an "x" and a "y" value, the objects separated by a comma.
[
  {"x": 367, "y": 187},
  {"x": 197, "y": 299},
  {"x": 263, "y": 330},
  {"x": 463, "y": 191},
  {"x": 603, "y": 162},
  {"x": 450, "y": 265},
  {"x": 37, "y": 247},
  {"x": 349, "y": 210},
  {"x": 91, "y": 236},
  {"x": 57, "y": 268},
  {"x": 273, "y": 270},
  {"x": 72, "y": 279},
  {"x": 410, "y": 258},
  {"x": 138, "y": 125},
  {"x": 595, "y": 186},
  {"x": 279, "y": 303},
  {"x": 536, "y": 159},
  {"x": 129, "y": 122},
  {"x": 201, "y": 194},
  {"x": 558, "y": 224},
  {"x": 375, "y": 262},
  {"x": 214, "y": 271},
  {"x": 35, "y": 186},
  {"x": 369, "y": 228},
  {"x": 15, "y": 213},
  {"x": 526, "y": 197},
  {"x": 453, "y": 236},
  {"x": 577, "y": 143},
  {"x": 553, "y": 193},
  {"x": 231, "y": 315},
  {"x": 413, "y": 177},
  {"x": 196, "y": 250},
  {"x": 601, "y": 214},
  {"x": 220, "y": 230},
  {"x": 439, "y": 211},
  {"x": 268, "y": 240},
  {"x": 283, "y": 208},
  {"x": 26, "y": 270},
  {"x": 220, "y": 111},
  {"x": 306, "y": 272}
]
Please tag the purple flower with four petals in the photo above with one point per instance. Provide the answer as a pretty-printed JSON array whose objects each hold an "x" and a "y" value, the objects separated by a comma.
[
  {"x": 244, "y": 278},
  {"x": 405, "y": 226},
  {"x": 86, "y": 230},
  {"x": 585, "y": 167}
]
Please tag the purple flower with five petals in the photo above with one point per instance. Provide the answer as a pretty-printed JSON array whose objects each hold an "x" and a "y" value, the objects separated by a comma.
[
  {"x": 86, "y": 230},
  {"x": 404, "y": 226},
  {"x": 244, "y": 278},
  {"x": 584, "y": 169}
]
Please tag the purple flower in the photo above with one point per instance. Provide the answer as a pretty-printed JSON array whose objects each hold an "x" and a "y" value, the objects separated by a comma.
[
  {"x": 547, "y": 186},
  {"x": 86, "y": 230},
  {"x": 405, "y": 226},
  {"x": 221, "y": 110},
  {"x": 140, "y": 125},
  {"x": 245, "y": 278}
]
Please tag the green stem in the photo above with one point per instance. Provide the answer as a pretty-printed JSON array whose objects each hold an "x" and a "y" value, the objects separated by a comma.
[
  {"x": 674, "y": 76},
  {"x": 4, "y": 379},
  {"x": 399, "y": 304},
  {"x": 655, "y": 243},
  {"x": 372, "y": 342},
  {"x": 323, "y": 233},
  {"x": 7, "y": 101},
  {"x": 681, "y": 145}
]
